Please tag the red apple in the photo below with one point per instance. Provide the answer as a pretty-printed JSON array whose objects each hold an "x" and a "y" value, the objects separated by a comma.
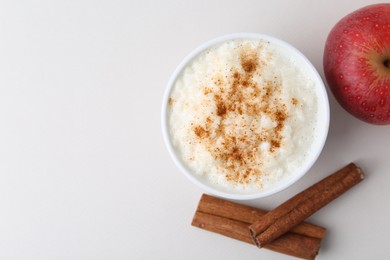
[{"x": 357, "y": 63}]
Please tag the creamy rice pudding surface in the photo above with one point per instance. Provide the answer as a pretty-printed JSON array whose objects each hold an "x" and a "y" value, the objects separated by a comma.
[{"x": 243, "y": 115}]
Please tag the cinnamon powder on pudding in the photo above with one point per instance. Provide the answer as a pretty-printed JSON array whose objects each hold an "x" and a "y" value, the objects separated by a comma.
[
  {"x": 241, "y": 95},
  {"x": 235, "y": 113}
]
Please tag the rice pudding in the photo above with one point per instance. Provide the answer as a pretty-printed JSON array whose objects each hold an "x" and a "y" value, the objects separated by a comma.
[{"x": 242, "y": 114}]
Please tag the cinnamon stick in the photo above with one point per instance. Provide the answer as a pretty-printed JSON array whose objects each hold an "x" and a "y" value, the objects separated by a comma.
[
  {"x": 228, "y": 209},
  {"x": 232, "y": 220},
  {"x": 290, "y": 204},
  {"x": 289, "y": 244},
  {"x": 289, "y": 214}
]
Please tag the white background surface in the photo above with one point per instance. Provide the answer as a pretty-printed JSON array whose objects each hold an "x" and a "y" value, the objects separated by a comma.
[{"x": 84, "y": 173}]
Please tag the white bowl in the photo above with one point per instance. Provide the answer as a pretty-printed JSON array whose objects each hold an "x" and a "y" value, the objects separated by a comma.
[{"x": 320, "y": 135}]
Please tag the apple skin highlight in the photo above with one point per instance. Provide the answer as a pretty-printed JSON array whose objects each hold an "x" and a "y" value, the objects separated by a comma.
[{"x": 357, "y": 63}]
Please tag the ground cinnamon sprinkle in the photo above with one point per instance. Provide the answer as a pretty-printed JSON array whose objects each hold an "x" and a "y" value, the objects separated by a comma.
[
  {"x": 200, "y": 132},
  {"x": 240, "y": 96},
  {"x": 171, "y": 101},
  {"x": 242, "y": 115},
  {"x": 294, "y": 101}
]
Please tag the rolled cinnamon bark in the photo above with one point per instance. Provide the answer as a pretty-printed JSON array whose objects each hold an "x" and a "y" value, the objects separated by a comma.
[
  {"x": 289, "y": 244},
  {"x": 289, "y": 214},
  {"x": 232, "y": 220},
  {"x": 228, "y": 209}
]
